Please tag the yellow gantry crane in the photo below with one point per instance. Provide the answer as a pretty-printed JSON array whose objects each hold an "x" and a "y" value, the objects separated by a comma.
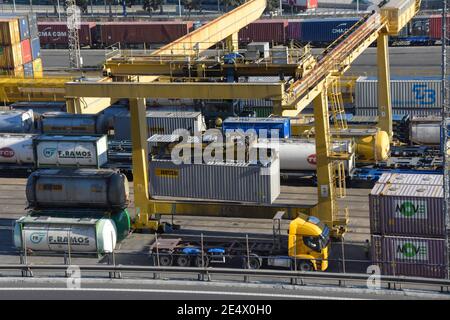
[{"x": 313, "y": 78}]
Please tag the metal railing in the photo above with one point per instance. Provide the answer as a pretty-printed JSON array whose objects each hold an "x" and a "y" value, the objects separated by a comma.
[{"x": 345, "y": 280}]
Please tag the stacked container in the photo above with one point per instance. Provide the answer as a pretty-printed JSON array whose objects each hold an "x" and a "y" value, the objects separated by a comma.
[
  {"x": 409, "y": 96},
  {"x": 408, "y": 225},
  {"x": 19, "y": 46},
  {"x": 71, "y": 194}
]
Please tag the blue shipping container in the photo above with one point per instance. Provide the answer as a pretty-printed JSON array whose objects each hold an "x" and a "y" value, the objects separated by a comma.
[
  {"x": 23, "y": 28},
  {"x": 281, "y": 125},
  {"x": 324, "y": 30},
  {"x": 35, "y": 48},
  {"x": 32, "y": 25},
  {"x": 28, "y": 70}
]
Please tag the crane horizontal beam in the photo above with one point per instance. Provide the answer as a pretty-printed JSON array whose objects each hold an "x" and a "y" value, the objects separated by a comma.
[{"x": 175, "y": 90}]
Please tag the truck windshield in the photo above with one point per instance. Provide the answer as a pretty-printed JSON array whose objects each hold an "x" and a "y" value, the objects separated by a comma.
[{"x": 320, "y": 242}]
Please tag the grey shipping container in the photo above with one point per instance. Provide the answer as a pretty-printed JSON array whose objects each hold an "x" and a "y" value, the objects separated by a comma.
[
  {"x": 160, "y": 122},
  {"x": 409, "y": 256},
  {"x": 408, "y": 178},
  {"x": 234, "y": 182},
  {"x": 406, "y": 93},
  {"x": 373, "y": 111},
  {"x": 409, "y": 210},
  {"x": 92, "y": 188}
]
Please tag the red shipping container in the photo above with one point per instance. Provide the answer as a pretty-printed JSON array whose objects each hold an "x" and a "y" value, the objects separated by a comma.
[
  {"x": 55, "y": 33},
  {"x": 293, "y": 30},
  {"x": 264, "y": 31},
  {"x": 436, "y": 27},
  {"x": 143, "y": 32},
  {"x": 25, "y": 46}
]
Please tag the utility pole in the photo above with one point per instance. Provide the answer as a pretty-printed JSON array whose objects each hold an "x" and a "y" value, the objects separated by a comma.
[
  {"x": 73, "y": 24},
  {"x": 445, "y": 90}
]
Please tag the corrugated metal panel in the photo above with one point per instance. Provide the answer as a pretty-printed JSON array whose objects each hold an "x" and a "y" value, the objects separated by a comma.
[
  {"x": 404, "y": 209},
  {"x": 261, "y": 30},
  {"x": 325, "y": 30},
  {"x": 264, "y": 127},
  {"x": 35, "y": 48},
  {"x": 405, "y": 178},
  {"x": 38, "y": 70},
  {"x": 52, "y": 33},
  {"x": 412, "y": 111},
  {"x": 407, "y": 256},
  {"x": 293, "y": 31},
  {"x": 219, "y": 181},
  {"x": 405, "y": 93},
  {"x": 10, "y": 56},
  {"x": 436, "y": 27},
  {"x": 160, "y": 122},
  {"x": 9, "y": 31},
  {"x": 28, "y": 70},
  {"x": 143, "y": 32}
]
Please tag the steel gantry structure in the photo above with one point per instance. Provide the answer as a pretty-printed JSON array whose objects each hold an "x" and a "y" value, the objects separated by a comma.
[{"x": 312, "y": 82}]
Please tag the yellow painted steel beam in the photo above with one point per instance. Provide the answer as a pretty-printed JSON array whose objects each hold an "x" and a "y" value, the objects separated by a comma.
[
  {"x": 384, "y": 86},
  {"x": 326, "y": 206},
  {"x": 21, "y": 89},
  {"x": 398, "y": 13},
  {"x": 175, "y": 90},
  {"x": 215, "y": 31}
]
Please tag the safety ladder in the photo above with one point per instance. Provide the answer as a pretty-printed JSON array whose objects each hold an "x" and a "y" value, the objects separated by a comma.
[{"x": 336, "y": 106}]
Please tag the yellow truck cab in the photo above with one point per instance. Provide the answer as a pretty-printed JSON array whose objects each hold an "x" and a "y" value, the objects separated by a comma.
[{"x": 309, "y": 243}]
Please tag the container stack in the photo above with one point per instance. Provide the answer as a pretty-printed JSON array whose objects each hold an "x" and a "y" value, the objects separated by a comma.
[
  {"x": 408, "y": 225},
  {"x": 71, "y": 194},
  {"x": 20, "y": 50}
]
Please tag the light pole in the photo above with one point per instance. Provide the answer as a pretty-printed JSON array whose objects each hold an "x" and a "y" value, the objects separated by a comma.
[
  {"x": 14, "y": 5},
  {"x": 59, "y": 11},
  {"x": 281, "y": 7},
  {"x": 179, "y": 8}
]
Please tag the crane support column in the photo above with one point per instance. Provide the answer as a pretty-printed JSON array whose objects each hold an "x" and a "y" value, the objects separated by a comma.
[
  {"x": 231, "y": 42},
  {"x": 384, "y": 86},
  {"x": 140, "y": 161},
  {"x": 326, "y": 205}
]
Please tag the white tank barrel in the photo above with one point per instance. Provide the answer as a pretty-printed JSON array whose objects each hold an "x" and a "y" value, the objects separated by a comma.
[
  {"x": 16, "y": 121},
  {"x": 50, "y": 234},
  {"x": 426, "y": 130},
  {"x": 16, "y": 148},
  {"x": 298, "y": 154}
]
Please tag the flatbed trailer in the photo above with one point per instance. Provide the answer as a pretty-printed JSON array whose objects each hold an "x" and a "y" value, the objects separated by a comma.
[{"x": 249, "y": 252}]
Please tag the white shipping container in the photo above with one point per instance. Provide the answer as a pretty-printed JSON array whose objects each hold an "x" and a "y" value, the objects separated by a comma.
[
  {"x": 406, "y": 93},
  {"x": 71, "y": 151},
  {"x": 16, "y": 148}
]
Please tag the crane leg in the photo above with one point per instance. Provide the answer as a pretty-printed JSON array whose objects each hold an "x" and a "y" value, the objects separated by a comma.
[
  {"x": 384, "y": 86},
  {"x": 140, "y": 160},
  {"x": 326, "y": 205}
]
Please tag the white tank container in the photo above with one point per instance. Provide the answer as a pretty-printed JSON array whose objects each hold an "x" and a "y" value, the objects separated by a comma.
[
  {"x": 426, "y": 130},
  {"x": 71, "y": 151},
  {"x": 16, "y": 121},
  {"x": 16, "y": 148},
  {"x": 51, "y": 234},
  {"x": 300, "y": 155}
]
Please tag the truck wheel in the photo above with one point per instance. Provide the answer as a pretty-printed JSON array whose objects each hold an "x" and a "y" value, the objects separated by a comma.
[
  {"x": 183, "y": 261},
  {"x": 165, "y": 260},
  {"x": 253, "y": 263},
  {"x": 198, "y": 261},
  {"x": 304, "y": 265}
]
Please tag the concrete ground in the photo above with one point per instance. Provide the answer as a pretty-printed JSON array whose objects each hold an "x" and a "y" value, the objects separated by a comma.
[{"x": 134, "y": 249}]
